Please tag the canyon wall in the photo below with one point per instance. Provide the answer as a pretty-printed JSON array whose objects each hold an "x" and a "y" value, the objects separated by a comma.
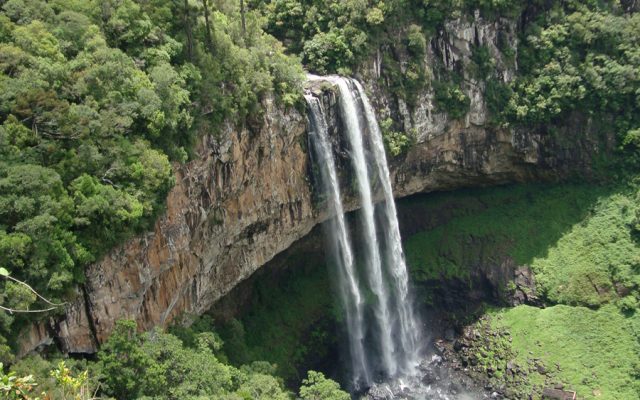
[{"x": 248, "y": 194}]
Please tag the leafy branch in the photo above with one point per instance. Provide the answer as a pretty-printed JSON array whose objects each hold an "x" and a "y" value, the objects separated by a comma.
[{"x": 5, "y": 274}]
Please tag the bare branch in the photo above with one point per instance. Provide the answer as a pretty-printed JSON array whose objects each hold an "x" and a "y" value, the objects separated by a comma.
[
  {"x": 18, "y": 311},
  {"x": 13, "y": 310}
]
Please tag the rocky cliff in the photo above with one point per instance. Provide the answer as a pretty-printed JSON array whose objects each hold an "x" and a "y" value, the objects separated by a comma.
[{"x": 248, "y": 195}]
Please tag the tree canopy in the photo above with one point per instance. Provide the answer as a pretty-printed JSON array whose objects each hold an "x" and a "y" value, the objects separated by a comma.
[{"x": 97, "y": 99}]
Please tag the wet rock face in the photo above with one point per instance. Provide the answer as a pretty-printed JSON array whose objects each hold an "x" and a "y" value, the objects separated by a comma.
[{"x": 248, "y": 195}]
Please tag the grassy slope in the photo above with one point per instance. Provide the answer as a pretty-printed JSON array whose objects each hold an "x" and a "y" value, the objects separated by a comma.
[
  {"x": 579, "y": 241},
  {"x": 598, "y": 260},
  {"x": 597, "y": 353},
  {"x": 489, "y": 224}
]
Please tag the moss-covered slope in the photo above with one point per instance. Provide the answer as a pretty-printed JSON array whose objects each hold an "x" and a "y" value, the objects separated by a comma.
[{"x": 580, "y": 242}]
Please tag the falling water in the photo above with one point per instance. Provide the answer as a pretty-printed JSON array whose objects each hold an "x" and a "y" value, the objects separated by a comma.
[
  {"x": 350, "y": 293},
  {"x": 394, "y": 339},
  {"x": 409, "y": 328},
  {"x": 373, "y": 260}
]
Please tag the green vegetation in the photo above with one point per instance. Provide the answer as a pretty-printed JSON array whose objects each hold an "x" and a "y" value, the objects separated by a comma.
[
  {"x": 596, "y": 261},
  {"x": 451, "y": 99},
  {"x": 317, "y": 387},
  {"x": 581, "y": 242},
  {"x": 396, "y": 142},
  {"x": 290, "y": 320},
  {"x": 484, "y": 226},
  {"x": 579, "y": 57},
  {"x": 97, "y": 98},
  {"x": 597, "y": 351},
  {"x": 101, "y": 99},
  {"x": 158, "y": 365},
  {"x": 336, "y": 36}
]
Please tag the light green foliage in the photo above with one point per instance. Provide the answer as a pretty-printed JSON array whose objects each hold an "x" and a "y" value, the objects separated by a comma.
[
  {"x": 159, "y": 365},
  {"x": 416, "y": 41},
  {"x": 451, "y": 99},
  {"x": 317, "y": 387},
  {"x": 581, "y": 243},
  {"x": 61, "y": 378},
  {"x": 261, "y": 387},
  {"x": 13, "y": 387},
  {"x": 522, "y": 222},
  {"x": 597, "y": 351},
  {"x": 72, "y": 387},
  {"x": 395, "y": 142},
  {"x": 579, "y": 240},
  {"x": 596, "y": 261}
]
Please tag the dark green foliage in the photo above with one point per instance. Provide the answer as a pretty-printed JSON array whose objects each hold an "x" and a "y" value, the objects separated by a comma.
[
  {"x": 337, "y": 36},
  {"x": 159, "y": 365},
  {"x": 290, "y": 321},
  {"x": 497, "y": 95},
  {"x": 327, "y": 52},
  {"x": 482, "y": 64},
  {"x": 129, "y": 371}
]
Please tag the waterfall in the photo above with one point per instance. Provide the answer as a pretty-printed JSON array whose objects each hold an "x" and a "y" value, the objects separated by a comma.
[
  {"x": 373, "y": 260},
  {"x": 391, "y": 345},
  {"x": 409, "y": 331},
  {"x": 350, "y": 293}
]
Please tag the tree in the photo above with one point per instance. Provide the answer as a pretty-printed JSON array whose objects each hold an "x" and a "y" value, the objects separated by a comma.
[
  {"x": 208, "y": 37},
  {"x": 243, "y": 18},
  {"x": 4, "y": 273},
  {"x": 13, "y": 387},
  {"x": 128, "y": 369},
  {"x": 317, "y": 387}
]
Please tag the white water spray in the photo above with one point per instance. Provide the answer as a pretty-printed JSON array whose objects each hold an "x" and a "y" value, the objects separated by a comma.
[
  {"x": 350, "y": 293},
  {"x": 396, "y": 337},
  {"x": 409, "y": 327},
  {"x": 373, "y": 260}
]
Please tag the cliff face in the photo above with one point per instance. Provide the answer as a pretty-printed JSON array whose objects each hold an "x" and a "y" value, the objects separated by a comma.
[{"x": 248, "y": 195}]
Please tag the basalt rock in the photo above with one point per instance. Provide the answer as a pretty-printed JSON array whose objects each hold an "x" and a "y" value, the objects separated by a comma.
[{"x": 249, "y": 194}]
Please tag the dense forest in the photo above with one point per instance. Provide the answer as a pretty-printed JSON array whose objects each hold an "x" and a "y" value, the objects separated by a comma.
[{"x": 101, "y": 100}]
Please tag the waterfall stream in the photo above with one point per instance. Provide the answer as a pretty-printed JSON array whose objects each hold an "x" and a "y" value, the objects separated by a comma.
[
  {"x": 409, "y": 328},
  {"x": 350, "y": 293},
  {"x": 373, "y": 260},
  {"x": 390, "y": 346}
]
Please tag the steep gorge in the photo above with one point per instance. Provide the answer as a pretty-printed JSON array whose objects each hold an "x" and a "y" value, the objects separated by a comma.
[{"x": 248, "y": 195}]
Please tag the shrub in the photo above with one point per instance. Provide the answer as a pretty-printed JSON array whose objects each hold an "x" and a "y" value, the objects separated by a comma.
[{"x": 451, "y": 99}]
